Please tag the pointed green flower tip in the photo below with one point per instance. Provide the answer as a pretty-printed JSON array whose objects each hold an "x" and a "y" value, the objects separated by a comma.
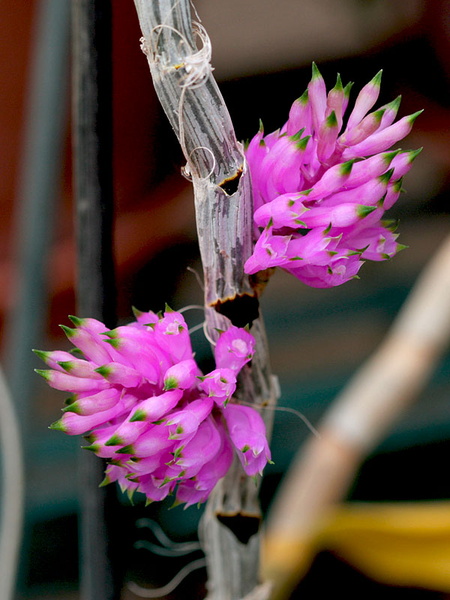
[
  {"x": 414, "y": 116},
  {"x": 300, "y": 222},
  {"x": 306, "y": 192},
  {"x": 178, "y": 431},
  {"x": 58, "y": 426},
  {"x": 139, "y": 415},
  {"x": 378, "y": 114},
  {"x": 386, "y": 177},
  {"x": 245, "y": 448},
  {"x": 148, "y": 502},
  {"x": 394, "y": 104},
  {"x": 381, "y": 201},
  {"x": 175, "y": 504},
  {"x": 106, "y": 481},
  {"x": 116, "y": 440},
  {"x": 130, "y": 495},
  {"x": 112, "y": 341},
  {"x": 45, "y": 373},
  {"x": 297, "y": 136},
  {"x": 261, "y": 126},
  {"x": 348, "y": 88},
  {"x": 42, "y": 354},
  {"x": 304, "y": 98},
  {"x": 76, "y": 352},
  {"x": 363, "y": 211},
  {"x": 168, "y": 309},
  {"x": 316, "y": 74},
  {"x": 296, "y": 258},
  {"x": 401, "y": 247},
  {"x": 338, "y": 87},
  {"x": 171, "y": 383},
  {"x": 327, "y": 230},
  {"x": 301, "y": 144},
  {"x": 397, "y": 187},
  {"x": 331, "y": 121},
  {"x": 112, "y": 335},
  {"x": 125, "y": 450},
  {"x": 105, "y": 371},
  {"x": 166, "y": 480},
  {"x": 136, "y": 312},
  {"x": 412, "y": 154},
  {"x": 178, "y": 452},
  {"x": 391, "y": 224},
  {"x": 92, "y": 448},
  {"x": 70, "y": 332},
  {"x": 67, "y": 365},
  {"x": 388, "y": 157},
  {"x": 270, "y": 223},
  {"x": 71, "y": 399},
  {"x": 77, "y": 321},
  {"x": 346, "y": 168},
  {"x": 376, "y": 81},
  {"x": 73, "y": 407}
]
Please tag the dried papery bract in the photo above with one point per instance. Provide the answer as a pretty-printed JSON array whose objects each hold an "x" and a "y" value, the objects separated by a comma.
[{"x": 183, "y": 81}]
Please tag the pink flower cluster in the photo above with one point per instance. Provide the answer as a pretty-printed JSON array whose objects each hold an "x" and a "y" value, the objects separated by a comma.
[
  {"x": 321, "y": 187},
  {"x": 145, "y": 406}
]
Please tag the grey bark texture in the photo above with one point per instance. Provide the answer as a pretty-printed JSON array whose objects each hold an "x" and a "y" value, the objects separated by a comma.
[{"x": 178, "y": 53}]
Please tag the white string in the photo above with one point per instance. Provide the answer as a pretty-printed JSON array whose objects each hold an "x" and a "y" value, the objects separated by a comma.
[
  {"x": 162, "y": 551},
  {"x": 197, "y": 276},
  {"x": 191, "y": 307},
  {"x": 196, "y": 328},
  {"x": 168, "y": 588},
  {"x": 197, "y": 67},
  {"x": 11, "y": 517},
  {"x": 207, "y": 336},
  {"x": 287, "y": 409},
  {"x": 163, "y": 538}
]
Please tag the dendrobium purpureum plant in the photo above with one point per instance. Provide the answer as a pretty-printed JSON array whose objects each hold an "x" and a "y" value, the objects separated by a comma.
[
  {"x": 144, "y": 405},
  {"x": 321, "y": 187}
]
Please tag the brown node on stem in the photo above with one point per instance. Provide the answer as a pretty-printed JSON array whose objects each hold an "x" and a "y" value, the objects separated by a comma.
[
  {"x": 231, "y": 184},
  {"x": 242, "y": 526},
  {"x": 242, "y": 309}
]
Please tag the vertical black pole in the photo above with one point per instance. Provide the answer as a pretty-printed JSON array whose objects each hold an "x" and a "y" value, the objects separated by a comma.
[{"x": 92, "y": 116}]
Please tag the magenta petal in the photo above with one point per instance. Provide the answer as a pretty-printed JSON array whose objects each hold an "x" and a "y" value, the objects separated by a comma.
[
  {"x": 248, "y": 434},
  {"x": 234, "y": 348}
]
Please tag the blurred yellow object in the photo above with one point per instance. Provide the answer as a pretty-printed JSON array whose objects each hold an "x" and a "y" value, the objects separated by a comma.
[{"x": 404, "y": 544}]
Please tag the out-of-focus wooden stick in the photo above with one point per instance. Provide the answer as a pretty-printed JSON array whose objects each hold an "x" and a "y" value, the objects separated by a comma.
[{"x": 360, "y": 416}]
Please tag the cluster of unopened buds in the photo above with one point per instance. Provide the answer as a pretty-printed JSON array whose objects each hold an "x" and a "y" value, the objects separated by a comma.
[
  {"x": 139, "y": 397},
  {"x": 321, "y": 188}
]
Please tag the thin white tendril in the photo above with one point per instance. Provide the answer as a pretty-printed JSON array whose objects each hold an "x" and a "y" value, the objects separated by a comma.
[
  {"x": 196, "y": 328},
  {"x": 207, "y": 336},
  {"x": 186, "y": 170},
  {"x": 168, "y": 588},
  {"x": 169, "y": 552},
  {"x": 191, "y": 307},
  {"x": 163, "y": 538},
  {"x": 293, "y": 411},
  {"x": 197, "y": 276},
  {"x": 197, "y": 68}
]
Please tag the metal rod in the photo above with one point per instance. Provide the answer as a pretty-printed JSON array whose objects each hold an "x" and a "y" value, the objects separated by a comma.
[{"x": 92, "y": 112}]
